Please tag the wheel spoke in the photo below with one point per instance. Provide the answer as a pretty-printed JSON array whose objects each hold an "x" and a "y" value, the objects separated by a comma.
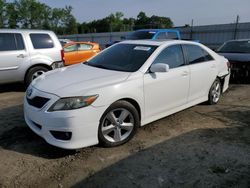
[
  {"x": 123, "y": 116},
  {"x": 127, "y": 126},
  {"x": 117, "y": 135},
  {"x": 217, "y": 87},
  {"x": 106, "y": 130},
  {"x": 111, "y": 117}
]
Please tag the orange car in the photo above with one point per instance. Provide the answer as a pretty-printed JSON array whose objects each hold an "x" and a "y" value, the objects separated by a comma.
[{"x": 77, "y": 52}]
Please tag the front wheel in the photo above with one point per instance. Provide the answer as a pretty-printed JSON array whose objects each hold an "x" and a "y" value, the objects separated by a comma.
[
  {"x": 118, "y": 124},
  {"x": 214, "y": 92}
]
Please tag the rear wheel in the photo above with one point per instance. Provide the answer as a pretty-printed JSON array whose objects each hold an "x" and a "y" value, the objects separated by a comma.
[
  {"x": 118, "y": 124},
  {"x": 33, "y": 73},
  {"x": 215, "y": 92}
]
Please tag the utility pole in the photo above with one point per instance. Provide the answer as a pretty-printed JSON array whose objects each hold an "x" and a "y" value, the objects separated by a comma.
[
  {"x": 191, "y": 29},
  {"x": 236, "y": 26}
]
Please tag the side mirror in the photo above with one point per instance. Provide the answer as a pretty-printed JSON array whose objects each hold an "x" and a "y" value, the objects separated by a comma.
[{"x": 159, "y": 67}]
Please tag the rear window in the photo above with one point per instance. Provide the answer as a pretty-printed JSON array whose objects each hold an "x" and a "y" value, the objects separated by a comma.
[
  {"x": 41, "y": 41},
  {"x": 167, "y": 35},
  {"x": 11, "y": 41}
]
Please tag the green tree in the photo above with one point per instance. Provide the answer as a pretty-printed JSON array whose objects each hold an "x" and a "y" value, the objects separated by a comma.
[
  {"x": 31, "y": 13},
  {"x": 2, "y": 13},
  {"x": 142, "y": 21},
  {"x": 160, "y": 22},
  {"x": 12, "y": 16}
]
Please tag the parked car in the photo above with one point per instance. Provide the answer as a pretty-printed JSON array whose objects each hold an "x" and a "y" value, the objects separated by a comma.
[
  {"x": 27, "y": 54},
  {"x": 78, "y": 52},
  {"x": 122, "y": 88},
  {"x": 152, "y": 34},
  {"x": 238, "y": 54},
  {"x": 65, "y": 41}
]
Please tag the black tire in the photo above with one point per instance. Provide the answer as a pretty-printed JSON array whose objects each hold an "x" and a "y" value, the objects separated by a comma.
[
  {"x": 123, "y": 106},
  {"x": 214, "y": 92},
  {"x": 30, "y": 74}
]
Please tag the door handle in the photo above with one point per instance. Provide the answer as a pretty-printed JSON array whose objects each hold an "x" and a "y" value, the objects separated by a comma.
[
  {"x": 185, "y": 73},
  {"x": 21, "y": 56}
]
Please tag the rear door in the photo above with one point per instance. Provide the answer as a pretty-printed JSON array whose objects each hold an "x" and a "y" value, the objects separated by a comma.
[
  {"x": 203, "y": 71},
  {"x": 85, "y": 51},
  {"x": 167, "y": 90},
  {"x": 13, "y": 56}
]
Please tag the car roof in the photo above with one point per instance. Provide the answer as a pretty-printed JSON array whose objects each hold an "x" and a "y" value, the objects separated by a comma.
[
  {"x": 81, "y": 42},
  {"x": 158, "y": 30},
  {"x": 158, "y": 42},
  {"x": 24, "y": 31}
]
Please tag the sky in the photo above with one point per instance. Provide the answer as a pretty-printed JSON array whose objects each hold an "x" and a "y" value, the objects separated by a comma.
[{"x": 181, "y": 12}]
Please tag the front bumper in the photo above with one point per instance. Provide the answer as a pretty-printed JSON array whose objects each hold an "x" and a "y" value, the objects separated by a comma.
[{"x": 81, "y": 123}]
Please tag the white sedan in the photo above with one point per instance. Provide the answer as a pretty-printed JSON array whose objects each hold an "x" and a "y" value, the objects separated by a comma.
[{"x": 126, "y": 86}]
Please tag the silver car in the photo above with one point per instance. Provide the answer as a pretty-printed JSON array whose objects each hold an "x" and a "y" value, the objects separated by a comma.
[{"x": 26, "y": 54}]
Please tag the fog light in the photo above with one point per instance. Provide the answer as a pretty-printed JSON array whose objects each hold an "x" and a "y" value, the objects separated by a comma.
[{"x": 61, "y": 135}]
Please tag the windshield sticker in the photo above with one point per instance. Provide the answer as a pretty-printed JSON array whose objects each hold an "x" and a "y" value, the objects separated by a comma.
[
  {"x": 152, "y": 32},
  {"x": 143, "y": 48}
]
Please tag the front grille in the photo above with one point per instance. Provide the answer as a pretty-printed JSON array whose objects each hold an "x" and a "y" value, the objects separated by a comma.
[{"x": 38, "y": 102}]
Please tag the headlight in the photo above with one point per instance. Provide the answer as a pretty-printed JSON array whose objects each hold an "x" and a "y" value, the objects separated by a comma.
[
  {"x": 58, "y": 64},
  {"x": 71, "y": 103}
]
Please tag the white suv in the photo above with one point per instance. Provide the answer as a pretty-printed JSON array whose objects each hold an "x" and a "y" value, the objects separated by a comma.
[{"x": 26, "y": 54}]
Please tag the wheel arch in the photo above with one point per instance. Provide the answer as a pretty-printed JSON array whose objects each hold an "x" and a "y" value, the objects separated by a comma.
[
  {"x": 37, "y": 65},
  {"x": 134, "y": 103}
]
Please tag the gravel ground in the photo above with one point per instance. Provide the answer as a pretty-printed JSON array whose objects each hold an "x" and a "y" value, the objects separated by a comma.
[{"x": 203, "y": 146}]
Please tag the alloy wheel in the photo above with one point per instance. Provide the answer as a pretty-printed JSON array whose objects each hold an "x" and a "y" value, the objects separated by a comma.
[{"x": 117, "y": 125}]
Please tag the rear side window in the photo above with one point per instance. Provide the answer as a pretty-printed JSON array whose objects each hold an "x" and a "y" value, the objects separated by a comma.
[
  {"x": 197, "y": 54},
  {"x": 84, "y": 47},
  {"x": 172, "y": 55},
  {"x": 70, "y": 48},
  {"x": 41, "y": 41},
  {"x": 11, "y": 42},
  {"x": 19, "y": 42}
]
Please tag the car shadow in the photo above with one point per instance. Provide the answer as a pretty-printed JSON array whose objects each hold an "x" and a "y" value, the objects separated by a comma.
[
  {"x": 200, "y": 158},
  {"x": 15, "y": 135},
  {"x": 18, "y": 87}
]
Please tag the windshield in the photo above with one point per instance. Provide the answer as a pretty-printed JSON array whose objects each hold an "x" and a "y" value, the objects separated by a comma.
[
  {"x": 235, "y": 47},
  {"x": 123, "y": 57},
  {"x": 140, "y": 35}
]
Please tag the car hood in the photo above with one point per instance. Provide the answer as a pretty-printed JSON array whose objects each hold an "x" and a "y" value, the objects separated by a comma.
[
  {"x": 243, "y": 57},
  {"x": 77, "y": 79}
]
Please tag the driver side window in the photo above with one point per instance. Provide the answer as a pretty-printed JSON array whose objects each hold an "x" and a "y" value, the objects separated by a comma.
[{"x": 172, "y": 55}]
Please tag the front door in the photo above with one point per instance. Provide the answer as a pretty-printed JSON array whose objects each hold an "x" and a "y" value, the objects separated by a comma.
[{"x": 167, "y": 90}]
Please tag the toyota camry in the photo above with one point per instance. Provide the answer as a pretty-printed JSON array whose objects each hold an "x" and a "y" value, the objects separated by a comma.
[{"x": 132, "y": 83}]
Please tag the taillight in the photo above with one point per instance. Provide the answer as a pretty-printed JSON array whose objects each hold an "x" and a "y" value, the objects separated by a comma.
[{"x": 62, "y": 55}]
